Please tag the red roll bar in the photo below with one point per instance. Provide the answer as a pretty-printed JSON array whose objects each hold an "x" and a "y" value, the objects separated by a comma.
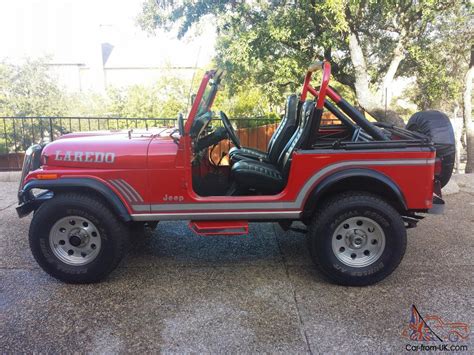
[{"x": 324, "y": 89}]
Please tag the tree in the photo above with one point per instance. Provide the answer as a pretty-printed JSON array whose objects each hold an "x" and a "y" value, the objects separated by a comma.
[
  {"x": 442, "y": 63},
  {"x": 272, "y": 42},
  {"x": 468, "y": 124},
  {"x": 164, "y": 99},
  {"x": 29, "y": 90}
]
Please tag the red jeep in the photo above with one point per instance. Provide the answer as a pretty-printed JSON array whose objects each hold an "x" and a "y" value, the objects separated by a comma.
[{"x": 357, "y": 185}]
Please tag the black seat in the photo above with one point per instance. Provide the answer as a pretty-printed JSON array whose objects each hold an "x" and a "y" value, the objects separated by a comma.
[
  {"x": 253, "y": 175},
  {"x": 277, "y": 142}
]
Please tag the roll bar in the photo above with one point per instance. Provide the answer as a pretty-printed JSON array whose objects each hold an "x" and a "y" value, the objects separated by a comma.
[{"x": 325, "y": 91}]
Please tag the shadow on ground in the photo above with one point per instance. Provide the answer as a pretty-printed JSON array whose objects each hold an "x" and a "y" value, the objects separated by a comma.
[{"x": 179, "y": 292}]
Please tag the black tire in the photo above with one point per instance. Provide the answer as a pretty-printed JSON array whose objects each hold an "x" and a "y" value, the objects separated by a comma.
[
  {"x": 335, "y": 212},
  {"x": 437, "y": 126},
  {"x": 113, "y": 234}
]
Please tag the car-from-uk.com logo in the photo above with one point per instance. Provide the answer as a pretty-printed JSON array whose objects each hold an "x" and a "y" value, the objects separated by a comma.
[{"x": 433, "y": 333}]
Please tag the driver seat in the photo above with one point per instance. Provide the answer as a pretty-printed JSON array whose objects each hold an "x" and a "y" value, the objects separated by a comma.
[
  {"x": 261, "y": 177},
  {"x": 277, "y": 142}
]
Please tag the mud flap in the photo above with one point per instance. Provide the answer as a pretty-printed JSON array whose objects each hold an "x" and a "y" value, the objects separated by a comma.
[{"x": 438, "y": 206}]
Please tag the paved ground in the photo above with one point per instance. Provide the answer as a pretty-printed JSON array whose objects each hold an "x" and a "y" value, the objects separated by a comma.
[{"x": 179, "y": 292}]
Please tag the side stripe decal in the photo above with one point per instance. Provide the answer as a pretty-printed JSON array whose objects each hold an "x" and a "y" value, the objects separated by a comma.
[
  {"x": 216, "y": 215},
  {"x": 130, "y": 194},
  {"x": 297, "y": 204},
  {"x": 135, "y": 195}
]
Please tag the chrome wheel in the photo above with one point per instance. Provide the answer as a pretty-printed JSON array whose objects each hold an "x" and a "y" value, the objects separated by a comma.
[
  {"x": 358, "y": 242},
  {"x": 75, "y": 240}
]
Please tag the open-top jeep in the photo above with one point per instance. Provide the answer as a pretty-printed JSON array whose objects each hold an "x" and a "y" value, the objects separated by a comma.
[{"x": 357, "y": 185}]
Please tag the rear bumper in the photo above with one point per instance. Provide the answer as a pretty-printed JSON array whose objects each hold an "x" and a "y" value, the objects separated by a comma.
[{"x": 438, "y": 206}]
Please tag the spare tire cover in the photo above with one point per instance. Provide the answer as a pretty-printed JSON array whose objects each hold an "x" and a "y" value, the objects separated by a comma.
[{"x": 437, "y": 126}]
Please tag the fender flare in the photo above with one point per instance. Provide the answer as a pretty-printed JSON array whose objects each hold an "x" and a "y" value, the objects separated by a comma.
[
  {"x": 333, "y": 179},
  {"x": 70, "y": 184}
]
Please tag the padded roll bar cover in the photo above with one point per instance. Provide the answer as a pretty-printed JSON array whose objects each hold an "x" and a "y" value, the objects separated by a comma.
[
  {"x": 318, "y": 65},
  {"x": 360, "y": 119}
]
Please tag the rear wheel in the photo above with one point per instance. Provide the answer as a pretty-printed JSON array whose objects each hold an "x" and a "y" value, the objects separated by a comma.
[
  {"x": 76, "y": 238},
  {"x": 357, "y": 239}
]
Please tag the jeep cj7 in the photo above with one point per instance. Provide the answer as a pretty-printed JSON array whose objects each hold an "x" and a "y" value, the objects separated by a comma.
[{"x": 357, "y": 186}]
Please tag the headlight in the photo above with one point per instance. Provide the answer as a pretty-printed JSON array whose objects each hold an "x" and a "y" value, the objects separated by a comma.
[{"x": 31, "y": 162}]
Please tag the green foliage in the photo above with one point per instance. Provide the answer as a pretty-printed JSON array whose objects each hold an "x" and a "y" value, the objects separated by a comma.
[
  {"x": 442, "y": 60},
  {"x": 263, "y": 44},
  {"x": 248, "y": 102},
  {"x": 28, "y": 90},
  {"x": 245, "y": 103},
  {"x": 84, "y": 104},
  {"x": 166, "y": 98},
  {"x": 268, "y": 44}
]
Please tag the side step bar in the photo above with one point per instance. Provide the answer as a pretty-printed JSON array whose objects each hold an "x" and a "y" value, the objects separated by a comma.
[{"x": 208, "y": 228}]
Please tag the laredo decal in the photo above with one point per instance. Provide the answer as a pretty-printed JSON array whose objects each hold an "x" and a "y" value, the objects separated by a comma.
[{"x": 86, "y": 157}]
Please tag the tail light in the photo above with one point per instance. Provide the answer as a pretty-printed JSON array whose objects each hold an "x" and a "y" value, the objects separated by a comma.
[
  {"x": 438, "y": 167},
  {"x": 437, "y": 173}
]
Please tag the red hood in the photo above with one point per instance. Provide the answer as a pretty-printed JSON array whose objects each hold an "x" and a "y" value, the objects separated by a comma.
[{"x": 103, "y": 150}]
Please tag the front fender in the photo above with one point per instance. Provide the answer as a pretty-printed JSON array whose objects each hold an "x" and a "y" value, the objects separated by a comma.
[{"x": 29, "y": 202}]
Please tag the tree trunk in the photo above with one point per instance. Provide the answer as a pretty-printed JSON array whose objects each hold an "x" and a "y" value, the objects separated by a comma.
[
  {"x": 468, "y": 124},
  {"x": 365, "y": 97},
  {"x": 457, "y": 122},
  {"x": 398, "y": 56}
]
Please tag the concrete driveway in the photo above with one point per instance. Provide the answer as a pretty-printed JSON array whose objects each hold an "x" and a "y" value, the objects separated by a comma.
[{"x": 177, "y": 292}]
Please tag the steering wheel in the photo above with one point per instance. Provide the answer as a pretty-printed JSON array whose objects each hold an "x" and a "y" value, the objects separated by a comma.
[{"x": 230, "y": 130}]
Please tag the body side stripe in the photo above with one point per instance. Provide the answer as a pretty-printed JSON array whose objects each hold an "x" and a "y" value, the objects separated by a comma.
[
  {"x": 296, "y": 204},
  {"x": 217, "y": 215}
]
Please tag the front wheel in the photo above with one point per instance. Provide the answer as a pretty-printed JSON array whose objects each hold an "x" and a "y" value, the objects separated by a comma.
[
  {"x": 357, "y": 239},
  {"x": 76, "y": 238}
]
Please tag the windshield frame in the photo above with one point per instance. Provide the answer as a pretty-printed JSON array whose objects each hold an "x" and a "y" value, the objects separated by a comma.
[{"x": 202, "y": 102}]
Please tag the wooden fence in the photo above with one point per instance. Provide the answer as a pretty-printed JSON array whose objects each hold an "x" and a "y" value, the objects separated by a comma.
[{"x": 257, "y": 138}]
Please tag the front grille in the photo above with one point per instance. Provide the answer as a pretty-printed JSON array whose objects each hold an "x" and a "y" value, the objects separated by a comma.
[{"x": 30, "y": 162}]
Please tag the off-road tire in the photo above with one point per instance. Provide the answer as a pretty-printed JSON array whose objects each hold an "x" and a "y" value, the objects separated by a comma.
[
  {"x": 114, "y": 236},
  {"x": 340, "y": 208}
]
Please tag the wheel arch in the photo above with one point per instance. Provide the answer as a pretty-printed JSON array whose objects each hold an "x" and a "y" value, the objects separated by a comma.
[
  {"x": 87, "y": 185},
  {"x": 358, "y": 179}
]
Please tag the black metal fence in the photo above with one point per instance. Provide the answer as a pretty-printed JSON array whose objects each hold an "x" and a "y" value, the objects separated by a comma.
[{"x": 18, "y": 133}]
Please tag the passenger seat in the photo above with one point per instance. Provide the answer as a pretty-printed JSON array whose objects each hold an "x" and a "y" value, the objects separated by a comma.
[
  {"x": 277, "y": 142},
  {"x": 267, "y": 178}
]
